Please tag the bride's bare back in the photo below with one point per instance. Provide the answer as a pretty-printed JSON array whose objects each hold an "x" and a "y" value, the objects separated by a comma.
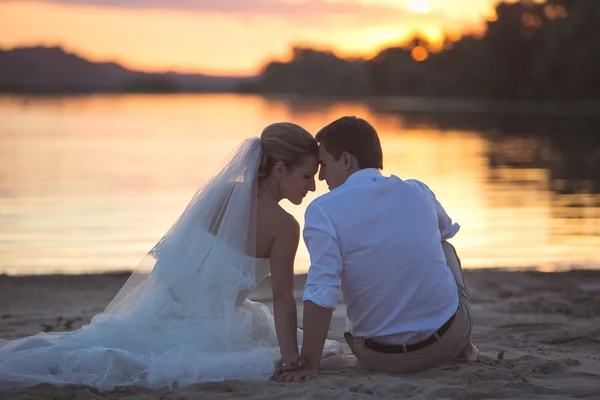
[{"x": 275, "y": 228}]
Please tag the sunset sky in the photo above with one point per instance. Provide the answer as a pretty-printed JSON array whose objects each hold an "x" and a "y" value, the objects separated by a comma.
[{"x": 227, "y": 36}]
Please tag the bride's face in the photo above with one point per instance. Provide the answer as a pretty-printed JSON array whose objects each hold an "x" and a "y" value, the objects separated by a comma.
[{"x": 297, "y": 182}]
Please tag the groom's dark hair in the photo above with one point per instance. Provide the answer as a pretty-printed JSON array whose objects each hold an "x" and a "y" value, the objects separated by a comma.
[{"x": 357, "y": 137}]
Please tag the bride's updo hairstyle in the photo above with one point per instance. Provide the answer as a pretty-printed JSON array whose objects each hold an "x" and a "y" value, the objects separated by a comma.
[{"x": 285, "y": 142}]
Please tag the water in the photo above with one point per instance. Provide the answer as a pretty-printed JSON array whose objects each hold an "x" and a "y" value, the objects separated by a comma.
[{"x": 89, "y": 184}]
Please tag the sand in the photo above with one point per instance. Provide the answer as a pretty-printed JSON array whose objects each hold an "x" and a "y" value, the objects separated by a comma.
[{"x": 539, "y": 336}]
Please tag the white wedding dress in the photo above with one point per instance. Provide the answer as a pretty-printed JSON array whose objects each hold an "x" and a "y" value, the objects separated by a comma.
[{"x": 188, "y": 320}]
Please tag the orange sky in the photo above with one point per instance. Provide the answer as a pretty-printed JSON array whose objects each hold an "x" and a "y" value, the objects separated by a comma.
[{"x": 226, "y": 36}]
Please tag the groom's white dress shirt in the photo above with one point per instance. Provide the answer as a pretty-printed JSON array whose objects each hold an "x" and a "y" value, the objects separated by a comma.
[{"x": 379, "y": 239}]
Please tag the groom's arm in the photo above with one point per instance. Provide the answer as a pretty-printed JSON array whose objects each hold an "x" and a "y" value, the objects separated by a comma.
[
  {"x": 321, "y": 293},
  {"x": 447, "y": 227}
]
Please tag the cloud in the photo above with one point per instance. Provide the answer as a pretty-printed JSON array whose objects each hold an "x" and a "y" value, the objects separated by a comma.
[
  {"x": 232, "y": 6},
  {"x": 305, "y": 9}
]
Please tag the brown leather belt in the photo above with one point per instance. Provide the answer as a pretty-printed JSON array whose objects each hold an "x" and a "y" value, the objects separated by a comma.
[{"x": 394, "y": 349}]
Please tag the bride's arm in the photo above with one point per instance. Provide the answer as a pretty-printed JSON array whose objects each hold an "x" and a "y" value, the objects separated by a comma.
[{"x": 283, "y": 252}]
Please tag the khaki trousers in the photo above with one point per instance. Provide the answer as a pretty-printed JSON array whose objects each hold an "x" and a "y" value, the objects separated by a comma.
[{"x": 447, "y": 348}]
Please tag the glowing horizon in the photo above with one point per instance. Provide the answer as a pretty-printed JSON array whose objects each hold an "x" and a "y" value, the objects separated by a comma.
[{"x": 225, "y": 38}]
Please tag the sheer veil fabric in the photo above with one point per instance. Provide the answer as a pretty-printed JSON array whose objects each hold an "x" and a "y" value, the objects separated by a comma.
[{"x": 182, "y": 317}]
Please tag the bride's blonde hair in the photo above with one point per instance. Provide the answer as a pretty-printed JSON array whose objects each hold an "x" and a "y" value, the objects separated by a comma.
[{"x": 285, "y": 142}]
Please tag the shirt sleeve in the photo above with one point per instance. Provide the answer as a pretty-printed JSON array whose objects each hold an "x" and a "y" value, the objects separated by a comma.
[
  {"x": 448, "y": 229},
  {"x": 324, "y": 275}
]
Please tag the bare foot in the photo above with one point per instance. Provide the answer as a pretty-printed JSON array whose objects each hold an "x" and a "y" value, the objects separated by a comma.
[{"x": 469, "y": 353}]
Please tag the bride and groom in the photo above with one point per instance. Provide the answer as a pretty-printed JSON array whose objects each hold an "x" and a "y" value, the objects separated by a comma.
[{"x": 184, "y": 317}]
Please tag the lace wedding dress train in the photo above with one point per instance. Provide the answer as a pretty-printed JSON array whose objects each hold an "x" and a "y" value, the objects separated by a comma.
[{"x": 186, "y": 321}]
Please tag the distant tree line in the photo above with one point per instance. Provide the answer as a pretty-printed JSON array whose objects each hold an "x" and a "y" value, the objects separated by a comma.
[
  {"x": 532, "y": 51},
  {"x": 155, "y": 83}
]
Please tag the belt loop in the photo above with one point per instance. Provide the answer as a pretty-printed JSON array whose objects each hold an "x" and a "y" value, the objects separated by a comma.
[
  {"x": 404, "y": 348},
  {"x": 353, "y": 342},
  {"x": 360, "y": 344},
  {"x": 437, "y": 337}
]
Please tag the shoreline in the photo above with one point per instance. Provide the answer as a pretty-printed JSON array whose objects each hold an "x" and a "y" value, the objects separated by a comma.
[
  {"x": 383, "y": 103},
  {"x": 550, "y": 268}
]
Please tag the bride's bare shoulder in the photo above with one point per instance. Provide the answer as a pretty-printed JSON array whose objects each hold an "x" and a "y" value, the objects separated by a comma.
[
  {"x": 286, "y": 236},
  {"x": 277, "y": 229},
  {"x": 277, "y": 219},
  {"x": 287, "y": 221}
]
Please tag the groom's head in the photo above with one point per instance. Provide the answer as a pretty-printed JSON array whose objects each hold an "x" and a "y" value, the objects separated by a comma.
[{"x": 347, "y": 145}]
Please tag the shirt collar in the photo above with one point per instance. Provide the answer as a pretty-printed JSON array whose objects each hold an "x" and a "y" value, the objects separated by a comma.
[{"x": 363, "y": 174}]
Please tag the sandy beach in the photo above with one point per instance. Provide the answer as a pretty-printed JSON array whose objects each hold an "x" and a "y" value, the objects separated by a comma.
[{"x": 539, "y": 336}]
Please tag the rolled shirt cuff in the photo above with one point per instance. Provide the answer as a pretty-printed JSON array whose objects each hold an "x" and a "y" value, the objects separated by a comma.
[
  {"x": 450, "y": 231},
  {"x": 324, "y": 296}
]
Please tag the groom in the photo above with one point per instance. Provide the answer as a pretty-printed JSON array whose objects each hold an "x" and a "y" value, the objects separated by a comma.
[{"x": 382, "y": 241}]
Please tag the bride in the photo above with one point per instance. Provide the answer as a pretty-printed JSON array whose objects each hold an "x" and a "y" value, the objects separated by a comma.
[{"x": 183, "y": 316}]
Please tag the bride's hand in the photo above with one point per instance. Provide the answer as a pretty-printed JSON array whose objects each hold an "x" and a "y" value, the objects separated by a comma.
[{"x": 290, "y": 362}]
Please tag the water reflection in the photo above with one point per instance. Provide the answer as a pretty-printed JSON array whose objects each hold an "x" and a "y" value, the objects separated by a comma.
[
  {"x": 545, "y": 165},
  {"x": 91, "y": 183}
]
